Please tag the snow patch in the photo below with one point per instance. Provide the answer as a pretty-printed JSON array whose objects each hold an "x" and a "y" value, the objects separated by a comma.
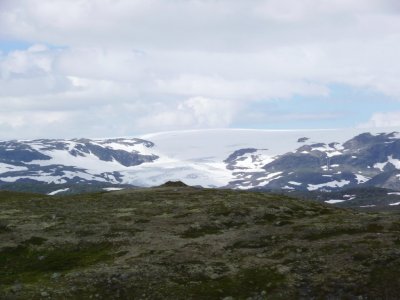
[
  {"x": 361, "y": 178},
  {"x": 294, "y": 183},
  {"x": 330, "y": 151},
  {"x": 396, "y": 135},
  {"x": 394, "y": 161},
  {"x": 333, "y": 201},
  {"x": 57, "y": 192},
  {"x": 332, "y": 184},
  {"x": 11, "y": 168},
  {"x": 253, "y": 161},
  {"x": 286, "y": 187},
  {"x": 110, "y": 189}
]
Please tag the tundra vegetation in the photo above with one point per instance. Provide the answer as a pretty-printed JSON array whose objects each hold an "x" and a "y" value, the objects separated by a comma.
[{"x": 180, "y": 242}]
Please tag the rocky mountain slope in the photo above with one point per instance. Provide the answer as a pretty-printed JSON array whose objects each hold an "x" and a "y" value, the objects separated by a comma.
[
  {"x": 367, "y": 159},
  {"x": 307, "y": 161},
  {"x": 71, "y": 161},
  {"x": 178, "y": 242}
]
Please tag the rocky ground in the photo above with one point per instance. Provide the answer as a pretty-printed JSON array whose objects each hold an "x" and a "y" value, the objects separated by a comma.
[{"x": 178, "y": 242}]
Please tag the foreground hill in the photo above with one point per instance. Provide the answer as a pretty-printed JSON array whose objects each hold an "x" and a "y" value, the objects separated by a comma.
[{"x": 179, "y": 242}]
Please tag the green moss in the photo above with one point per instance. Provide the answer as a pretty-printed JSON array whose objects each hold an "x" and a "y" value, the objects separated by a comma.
[
  {"x": 233, "y": 252},
  {"x": 234, "y": 223},
  {"x": 4, "y": 227},
  {"x": 125, "y": 218},
  {"x": 219, "y": 209},
  {"x": 269, "y": 217},
  {"x": 251, "y": 244},
  {"x": 195, "y": 232},
  {"x": 384, "y": 282},
  {"x": 395, "y": 226},
  {"x": 246, "y": 283},
  {"x": 374, "y": 227},
  {"x": 324, "y": 233},
  {"x": 283, "y": 223},
  {"x": 84, "y": 232},
  {"x": 35, "y": 240},
  {"x": 122, "y": 229},
  {"x": 142, "y": 221},
  {"x": 361, "y": 256},
  {"x": 29, "y": 265}
]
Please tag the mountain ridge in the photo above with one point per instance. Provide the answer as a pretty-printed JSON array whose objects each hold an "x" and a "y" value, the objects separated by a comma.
[{"x": 316, "y": 160}]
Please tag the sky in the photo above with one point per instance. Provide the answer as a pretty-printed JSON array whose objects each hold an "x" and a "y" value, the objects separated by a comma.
[{"x": 94, "y": 68}]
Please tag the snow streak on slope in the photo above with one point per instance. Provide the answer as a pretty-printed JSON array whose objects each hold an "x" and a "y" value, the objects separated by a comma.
[
  {"x": 58, "y": 191},
  {"x": 239, "y": 158}
]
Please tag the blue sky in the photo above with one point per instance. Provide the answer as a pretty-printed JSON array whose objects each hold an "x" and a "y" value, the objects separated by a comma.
[
  {"x": 7, "y": 46},
  {"x": 344, "y": 107},
  {"x": 132, "y": 67}
]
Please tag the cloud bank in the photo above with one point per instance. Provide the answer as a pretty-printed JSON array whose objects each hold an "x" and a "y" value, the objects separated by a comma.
[{"x": 124, "y": 67}]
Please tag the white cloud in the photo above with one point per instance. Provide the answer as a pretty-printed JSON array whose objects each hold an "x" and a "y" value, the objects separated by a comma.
[
  {"x": 196, "y": 112},
  {"x": 141, "y": 65},
  {"x": 388, "y": 119},
  {"x": 32, "y": 123},
  {"x": 238, "y": 89},
  {"x": 191, "y": 24},
  {"x": 36, "y": 60}
]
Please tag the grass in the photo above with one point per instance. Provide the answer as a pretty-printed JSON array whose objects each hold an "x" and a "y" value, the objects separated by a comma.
[
  {"x": 4, "y": 227},
  {"x": 178, "y": 242},
  {"x": 384, "y": 281},
  {"x": 244, "y": 284},
  {"x": 196, "y": 232},
  {"x": 27, "y": 265},
  {"x": 35, "y": 240}
]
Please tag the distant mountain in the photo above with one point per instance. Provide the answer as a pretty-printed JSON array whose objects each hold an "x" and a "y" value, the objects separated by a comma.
[
  {"x": 298, "y": 161},
  {"x": 71, "y": 161},
  {"x": 365, "y": 160}
]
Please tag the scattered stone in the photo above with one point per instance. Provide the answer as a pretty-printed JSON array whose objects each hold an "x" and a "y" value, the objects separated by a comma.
[
  {"x": 214, "y": 276},
  {"x": 283, "y": 269}
]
